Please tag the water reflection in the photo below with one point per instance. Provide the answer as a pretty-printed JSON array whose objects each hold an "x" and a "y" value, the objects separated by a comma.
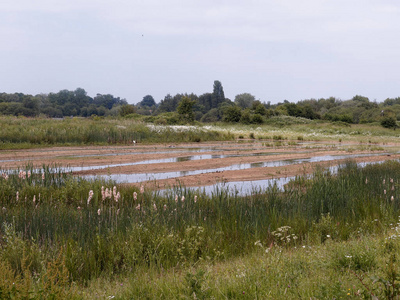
[{"x": 139, "y": 177}]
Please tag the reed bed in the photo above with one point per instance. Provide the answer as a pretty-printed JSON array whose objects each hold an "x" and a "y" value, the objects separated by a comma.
[{"x": 55, "y": 225}]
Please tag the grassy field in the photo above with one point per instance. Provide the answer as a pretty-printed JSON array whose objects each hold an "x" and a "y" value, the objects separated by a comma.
[
  {"x": 37, "y": 132},
  {"x": 331, "y": 236},
  {"x": 19, "y": 132}
]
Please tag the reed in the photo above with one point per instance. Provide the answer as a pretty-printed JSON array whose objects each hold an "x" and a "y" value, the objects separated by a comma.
[{"x": 104, "y": 230}]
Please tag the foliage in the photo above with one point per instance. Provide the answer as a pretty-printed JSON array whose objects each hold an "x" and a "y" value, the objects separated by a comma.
[
  {"x": 185, "y": 109},
  {"x": 244, "y": 100},
  {"x": 57, "y": 105},
  {"x": 232, "y": 114},
  {"x": 127, "y": 110},
  {"x": 389, "y": 122},
  {"x": 148, "y": 101}
]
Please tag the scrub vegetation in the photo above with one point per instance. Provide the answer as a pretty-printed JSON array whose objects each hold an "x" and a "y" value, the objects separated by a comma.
[{"x": 325, "y": 236}]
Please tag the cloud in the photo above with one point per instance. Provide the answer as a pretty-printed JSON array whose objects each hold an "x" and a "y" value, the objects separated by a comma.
[{"x": 220, "y": 39}]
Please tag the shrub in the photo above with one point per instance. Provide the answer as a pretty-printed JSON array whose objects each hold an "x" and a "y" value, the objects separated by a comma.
[{"x": 389, "y": 122}]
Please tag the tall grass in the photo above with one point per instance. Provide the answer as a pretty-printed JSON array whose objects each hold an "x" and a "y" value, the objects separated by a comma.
[
  {"x": 74, "y": 131},
  {"x": 105, "y": 233}
]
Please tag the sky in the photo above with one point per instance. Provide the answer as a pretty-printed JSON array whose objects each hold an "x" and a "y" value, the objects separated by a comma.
[{"x": 273, "y": 49}]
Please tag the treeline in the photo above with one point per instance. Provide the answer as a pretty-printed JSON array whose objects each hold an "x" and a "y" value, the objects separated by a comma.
[
  {"x": 208, "y": 107},
  {"x": 61, "y": 104},
  {"x": 246, "y": 109}
]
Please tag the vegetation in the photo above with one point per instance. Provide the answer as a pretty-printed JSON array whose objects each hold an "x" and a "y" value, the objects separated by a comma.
[
  {"x": 208, "y": 107},
  {"x": 63, "y": 103},
  {"x": 21, "y": 132},
  {"x": 59, "y": 233},
  {"x": 26, "y": 132}
]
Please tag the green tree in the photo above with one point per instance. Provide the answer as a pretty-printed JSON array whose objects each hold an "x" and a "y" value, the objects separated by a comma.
[
  {"x": 246, "y": 117},
  {"x": 232, "y": 114},
  {"x": 244, "y": 100},
  {"x": 389, "y": 122},
  {"x": 259, "y": 108},
  {"x": 211, "y": 116},
  {"x": 360, "y": 98},
  {"x": 185, "y": 109},
  {"x": 148, "y": 101},
  {"x": 205, "y": 101},
  {"x": 127, "y": 110},
  {"x": 218, "y": 95}
]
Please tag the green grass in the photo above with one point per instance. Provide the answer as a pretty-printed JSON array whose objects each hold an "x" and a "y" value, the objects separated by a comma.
[
  {"x": 314, "y": 130},
  {"x": 22, "y": 133},
  {"x": 174, "y": 245},
  {"x": 29, "y": 133}
]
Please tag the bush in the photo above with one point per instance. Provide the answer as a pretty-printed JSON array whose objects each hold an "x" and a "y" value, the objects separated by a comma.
[
  {"x": 257, "y": 119},
  {"x": 389, "y": 122}
]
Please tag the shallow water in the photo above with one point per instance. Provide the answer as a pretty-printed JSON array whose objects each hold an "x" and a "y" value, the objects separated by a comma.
[
  {"x": 168, "y": 160},
  {"x": 139, "y": 177},
  {"x": 246, "y": 188}
]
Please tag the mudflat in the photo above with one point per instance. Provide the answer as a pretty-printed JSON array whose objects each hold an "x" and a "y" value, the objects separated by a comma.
[{"x": 162, "y": 158}]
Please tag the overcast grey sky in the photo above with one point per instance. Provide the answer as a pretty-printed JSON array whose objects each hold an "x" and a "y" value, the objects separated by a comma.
[{"x": 275, "y": 50}]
